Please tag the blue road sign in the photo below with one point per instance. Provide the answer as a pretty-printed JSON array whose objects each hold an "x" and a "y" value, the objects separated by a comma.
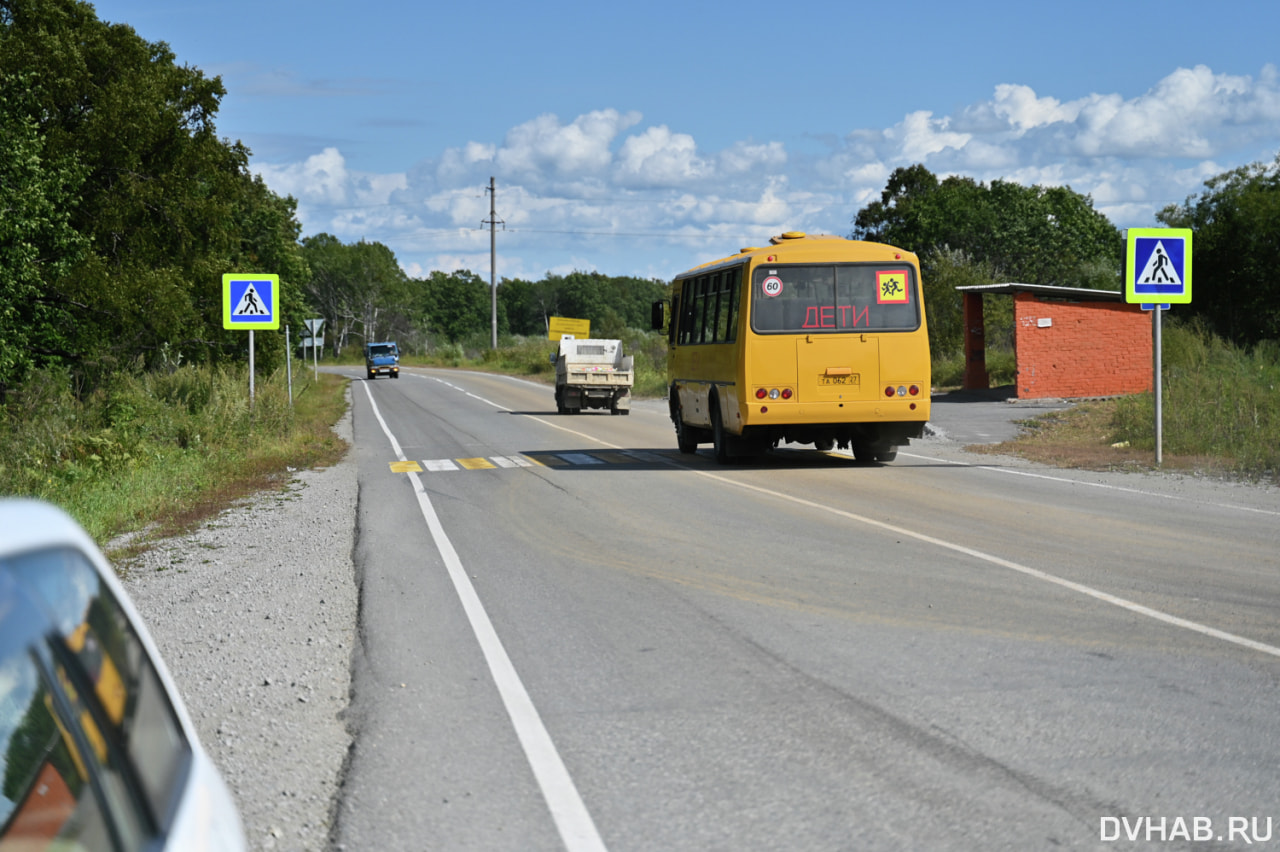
[
  {"x": 1158, "y": 265},
  {"x": 249, "y": 301}
]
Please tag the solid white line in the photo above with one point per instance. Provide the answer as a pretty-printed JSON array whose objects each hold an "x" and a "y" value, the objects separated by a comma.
[
  {"x": 573, "y": 821},
  {"x": 1097, "y": 594},
  {"x": 1015, "y": 566},
  {"x": 1104, "y": 485}
]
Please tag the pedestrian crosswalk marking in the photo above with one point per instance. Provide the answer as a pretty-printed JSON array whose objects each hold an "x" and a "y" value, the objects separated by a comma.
[
  {"x": 580, "y": 458},
  {"x": 540, "y": 459},
  {"x": 615, "y": 457}
]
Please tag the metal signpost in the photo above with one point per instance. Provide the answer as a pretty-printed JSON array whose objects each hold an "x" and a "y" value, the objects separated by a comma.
[
  {"x": 314, "y": 327},
  {"x": 1157, "y": 273},
  {"x": 249, "y": 302}
]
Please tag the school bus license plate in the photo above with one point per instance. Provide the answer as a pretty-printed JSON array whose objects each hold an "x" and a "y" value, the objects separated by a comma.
[{"x": 851, "y": 379}]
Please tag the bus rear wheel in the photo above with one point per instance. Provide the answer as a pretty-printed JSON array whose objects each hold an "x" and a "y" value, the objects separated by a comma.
[
  {"x": 867, "y": 453},
  {"x": 685, "y": 437},
  {"x": 725, "y": 448}
]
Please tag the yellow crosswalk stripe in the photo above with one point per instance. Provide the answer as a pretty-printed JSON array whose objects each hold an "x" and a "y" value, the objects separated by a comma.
[{"x": 536, "y": 459}]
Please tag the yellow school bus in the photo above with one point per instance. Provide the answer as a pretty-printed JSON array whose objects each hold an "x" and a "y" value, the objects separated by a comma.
[{"x": 809, "y": 340}]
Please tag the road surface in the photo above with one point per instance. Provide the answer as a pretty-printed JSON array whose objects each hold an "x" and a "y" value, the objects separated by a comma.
[{"x": 574, "y": 637}]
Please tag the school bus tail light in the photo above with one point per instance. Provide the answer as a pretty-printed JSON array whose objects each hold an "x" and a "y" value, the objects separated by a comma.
[{"x": 902, "y": 390}]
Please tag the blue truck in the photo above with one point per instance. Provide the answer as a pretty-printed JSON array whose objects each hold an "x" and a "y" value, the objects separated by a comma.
[{"x": 382, "y": 359}]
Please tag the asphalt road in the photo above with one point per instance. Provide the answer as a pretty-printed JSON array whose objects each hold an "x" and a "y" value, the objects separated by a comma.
[{"x": 589, "y": 641}]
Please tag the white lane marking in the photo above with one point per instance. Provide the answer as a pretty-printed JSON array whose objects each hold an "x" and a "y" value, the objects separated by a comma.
[
  {"x": 1104, "y": 485},
  {"x": 1097, "y": 594},
  {"x": 577, "y": 829}
]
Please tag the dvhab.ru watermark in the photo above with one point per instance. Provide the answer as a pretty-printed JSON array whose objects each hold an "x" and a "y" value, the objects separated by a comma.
[{"x": 1244, "y": 830}]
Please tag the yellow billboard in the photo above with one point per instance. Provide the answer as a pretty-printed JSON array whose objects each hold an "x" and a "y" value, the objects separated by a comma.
[{"x": 559, "y": 327}]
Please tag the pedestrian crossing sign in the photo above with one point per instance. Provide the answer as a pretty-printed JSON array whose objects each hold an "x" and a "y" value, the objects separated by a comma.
[
  {"x": 250, "y": 301},
  {"x": 1158, "y": 265}
]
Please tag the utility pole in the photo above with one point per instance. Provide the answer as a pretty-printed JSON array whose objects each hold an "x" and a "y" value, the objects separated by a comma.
[{"x": 493, "y": 221}]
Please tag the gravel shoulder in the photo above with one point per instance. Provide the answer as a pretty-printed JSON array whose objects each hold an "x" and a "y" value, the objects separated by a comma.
[{"x": 256, "y": 616}]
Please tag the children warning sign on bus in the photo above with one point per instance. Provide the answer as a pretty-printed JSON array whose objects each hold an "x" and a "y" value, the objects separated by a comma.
[{"x": 891, "y": 287}]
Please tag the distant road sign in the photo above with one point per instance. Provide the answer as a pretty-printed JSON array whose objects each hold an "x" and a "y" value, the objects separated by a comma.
[
  {"x": 250, "y": 301},
  {"x": 558, "y": 327},
  {"x": 1158, "y": 266}
]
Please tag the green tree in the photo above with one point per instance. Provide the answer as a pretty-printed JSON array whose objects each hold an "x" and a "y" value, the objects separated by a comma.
[
  {"x": 528, "y": 305},
  {"x": 967, "y": 233},
  {"x": 457, "y": 305},
  {"x": 1026, "y": 234},
  {"x": 1236, "y": 225},
  {"x": 164, "y": 206},
  {"x": 359, "y": 289},
  {"x": 611, "y": 303},
  {"x": 37, "y": 241},
  {"x": 949, "y": 269}
]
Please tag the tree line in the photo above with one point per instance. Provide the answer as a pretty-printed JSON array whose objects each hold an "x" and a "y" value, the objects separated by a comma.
[
  {"x": 122, "y": 208},
  {"x": 363, "y": 295},
  {"x": 967, "y": 233}
]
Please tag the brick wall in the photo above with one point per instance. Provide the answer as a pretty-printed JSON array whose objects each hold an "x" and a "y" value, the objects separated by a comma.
[{"x": 1080, "y": 349}]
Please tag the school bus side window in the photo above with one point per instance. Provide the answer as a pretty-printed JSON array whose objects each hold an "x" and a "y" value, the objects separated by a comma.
[{"x": 729, "y": 286}]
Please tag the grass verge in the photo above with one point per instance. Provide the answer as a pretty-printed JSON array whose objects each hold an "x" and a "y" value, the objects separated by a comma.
[
  {"x": 1220, "y": 416},
  {"x": 153, "y": 454}
]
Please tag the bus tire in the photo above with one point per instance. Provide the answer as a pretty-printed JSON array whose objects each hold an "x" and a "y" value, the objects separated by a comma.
[
  {"x": 824, "y": 445},
  {"x": 721, "y": 440},
  {"x": 868, "y": 453},
  {"x": 685, "y": 438}
]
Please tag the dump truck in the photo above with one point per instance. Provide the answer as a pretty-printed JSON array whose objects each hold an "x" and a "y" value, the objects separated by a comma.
[
  {"x": 382, "y": 359},
  {"x": 593, "y": 373}
]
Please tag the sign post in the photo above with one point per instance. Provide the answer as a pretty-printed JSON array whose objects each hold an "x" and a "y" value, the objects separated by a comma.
[
  {"x": 1157, "y": 273},
  {"x": 314, "y": 327},
  {"x": 249, "y": 302}
]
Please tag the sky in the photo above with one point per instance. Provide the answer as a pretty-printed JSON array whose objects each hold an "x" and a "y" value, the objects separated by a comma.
[{"x": 640, "y": 139}]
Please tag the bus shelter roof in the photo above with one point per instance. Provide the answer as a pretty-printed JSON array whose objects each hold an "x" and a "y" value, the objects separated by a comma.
[{"x": 1083, "y": 294}]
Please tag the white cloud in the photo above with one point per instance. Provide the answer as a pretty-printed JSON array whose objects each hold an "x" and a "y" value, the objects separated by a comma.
[
  {"x": 920, "y": 134},
  {"x": 582, "y": 147},
  {"x": 605, "y": 185},
  {"x": 1020, "y": 107},
  {"x": 658, "y": 157},
  {"x": 321, "y": 178}
]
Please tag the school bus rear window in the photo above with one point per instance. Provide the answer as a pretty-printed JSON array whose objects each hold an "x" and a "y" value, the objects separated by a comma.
[{"x": 834, "y": 298}]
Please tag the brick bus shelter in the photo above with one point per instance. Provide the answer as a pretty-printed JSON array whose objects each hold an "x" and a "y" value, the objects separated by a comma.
[{"x": 1069, "y": 342}]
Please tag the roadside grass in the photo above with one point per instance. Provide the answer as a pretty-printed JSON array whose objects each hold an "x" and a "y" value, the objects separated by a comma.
[
  {"x": 1221, "y": 416},
  {"x": 153, "y": 454}
]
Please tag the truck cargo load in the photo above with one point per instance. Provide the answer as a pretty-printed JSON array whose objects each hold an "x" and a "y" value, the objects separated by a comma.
[{"x": 593, "y": 373}]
